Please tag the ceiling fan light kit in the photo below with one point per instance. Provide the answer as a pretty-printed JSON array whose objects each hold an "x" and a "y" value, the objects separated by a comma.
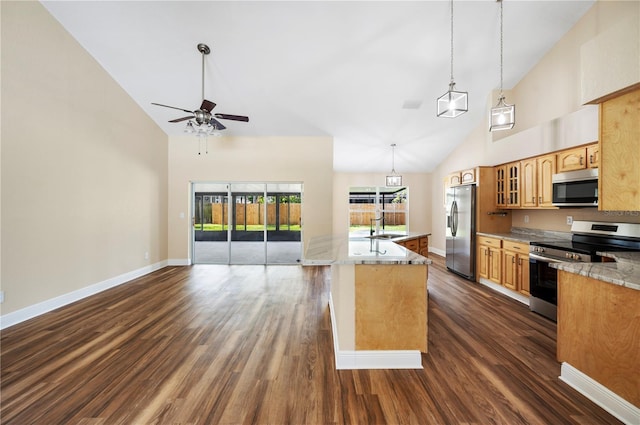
[
  {"x": 202, "y": 122},
  {"x": 503, "y": 115},
  {"x": 453, "y": 103}
]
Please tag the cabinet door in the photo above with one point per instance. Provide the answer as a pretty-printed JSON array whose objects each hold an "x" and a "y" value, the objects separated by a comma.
[
  {"x": 572, "y": 159},
  {"x": 412, "y": 244},
  {"x": 546, "y": 169},
  {"x": 513, "y": 184},
  {"x": 593, "y": 156},
  {"x": 620, "y": 148},
  {"x": 509, "y": 269},
  {"x": 468, "y": 176},
  {"x": 483, "y": 261},
  {"x": 523, "y": 274},
  {"x": 454, "y": 179},
  {"x": 495, "y": 263},
  {"x": 529, "y": 196},
  {"x": 501, "y": 174}
]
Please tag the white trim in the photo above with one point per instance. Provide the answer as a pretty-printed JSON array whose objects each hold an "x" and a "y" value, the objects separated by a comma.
[
  {"x": 179, "y": 262},
  {"x": 437, "y": 251},
  {"x": 506, "y": 291},
  {"x": 371, "y": 359},
  {"x": 46, "y": 306},
  {"x": 600, "y": 395}
]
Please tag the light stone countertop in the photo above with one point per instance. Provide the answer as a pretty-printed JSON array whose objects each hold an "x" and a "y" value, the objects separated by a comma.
[
  {"x": 331, "y": 249},
  {"x": 625, "y": 273},
  {"x": 528, "y": 235},
  {"x": 622, "y": 256}
]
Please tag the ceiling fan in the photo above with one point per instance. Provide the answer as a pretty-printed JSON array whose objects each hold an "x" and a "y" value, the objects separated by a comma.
[{"x": 203, "y": 116}]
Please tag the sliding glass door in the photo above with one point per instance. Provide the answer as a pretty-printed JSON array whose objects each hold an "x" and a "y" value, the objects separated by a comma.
[{"x": 247, "y": 223}]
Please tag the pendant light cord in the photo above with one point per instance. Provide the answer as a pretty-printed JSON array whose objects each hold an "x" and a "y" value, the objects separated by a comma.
[
  {"x": 501, "y": 48},
  {"x": 202, "y": 76},
  {"x": 451, "y": 41},
  {"x": 393, "y": 159}
]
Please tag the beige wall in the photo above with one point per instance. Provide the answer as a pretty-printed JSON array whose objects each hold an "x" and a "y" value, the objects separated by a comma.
[
  {"x": 420, "y": 203},
  {"x": 84, "y": 170},
  {"x": 308, "y": 160},
  {"x": 549, "y": 116}
]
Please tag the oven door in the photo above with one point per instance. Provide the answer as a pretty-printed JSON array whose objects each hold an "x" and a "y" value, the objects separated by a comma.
[{"x": 543, "y": 286}]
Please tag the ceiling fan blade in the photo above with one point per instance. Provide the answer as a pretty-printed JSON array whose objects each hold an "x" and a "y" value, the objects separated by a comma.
[
  {"x": 181, "y": 119},
  {"x": 217, "y": 124},
  {"x": 172, "y": 107},
  {"x": 232, "y": 117},
  {"x": 207, "y": 105}
]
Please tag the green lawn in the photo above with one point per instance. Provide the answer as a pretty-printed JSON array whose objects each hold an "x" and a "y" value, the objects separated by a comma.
[{"x": 208, "y": 227}]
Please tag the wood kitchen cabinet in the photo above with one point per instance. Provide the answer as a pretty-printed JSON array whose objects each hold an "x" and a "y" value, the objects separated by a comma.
[
  {"x": 454, "y": 179},
  {"x": 468, "y": 176},
  {"x": 578, "y": 158},
  {"x": 501, "y": 188},
  {"x": 515, "y": 266},
  {"x": 537, "y": 188},
  {"x": 489, "y": 258},
  {"x": 619, "y": 144}
]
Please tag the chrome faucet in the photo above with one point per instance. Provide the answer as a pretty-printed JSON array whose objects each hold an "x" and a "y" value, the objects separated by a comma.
[{"x": 377, "y": 231}]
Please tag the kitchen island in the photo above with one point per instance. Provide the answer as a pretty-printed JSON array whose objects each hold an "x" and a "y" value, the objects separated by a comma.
[
  {"x": 378, "y": 301},
  {"x": 598, "y": 328}
]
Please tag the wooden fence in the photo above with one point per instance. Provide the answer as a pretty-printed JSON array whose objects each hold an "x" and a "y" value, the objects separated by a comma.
[
  {"x": 289, "y": 213},
  {"x": 394, "y": 214}
]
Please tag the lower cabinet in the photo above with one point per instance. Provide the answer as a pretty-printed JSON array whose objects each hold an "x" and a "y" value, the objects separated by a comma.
[
  {"x": 515, "y": 266},
  {"x": 489, "y": 258},
  {"x": 504, "y": 262},
  {"x": 418, "y": 245}
]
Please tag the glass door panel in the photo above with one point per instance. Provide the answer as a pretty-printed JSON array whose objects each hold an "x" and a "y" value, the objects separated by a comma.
[
  {"x": 284, "y": 223},
  {"x": 248, "y": 224},
  {"x": 210, "y": 223}
]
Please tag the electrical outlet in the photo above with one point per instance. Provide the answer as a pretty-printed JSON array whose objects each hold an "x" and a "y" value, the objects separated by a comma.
[
  {"x": 146, "y": 255},
  {"x": 1, "y": 297},
  {"x": 569, "y": 220},
  {"x": 526, "y": 218}
]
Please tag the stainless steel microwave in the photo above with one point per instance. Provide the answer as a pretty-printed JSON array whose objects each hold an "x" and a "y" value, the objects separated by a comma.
[{"x": 576, "y": 188}]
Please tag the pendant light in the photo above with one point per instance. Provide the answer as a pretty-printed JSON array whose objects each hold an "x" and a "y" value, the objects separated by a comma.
[
  {"x": 394, "y": 179},
  {"x": 452, "y": 103},
  {"x": 503, "y": 115}
]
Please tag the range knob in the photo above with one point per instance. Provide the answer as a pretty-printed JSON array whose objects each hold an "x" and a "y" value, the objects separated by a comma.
[{"x": 569, "y": 255}]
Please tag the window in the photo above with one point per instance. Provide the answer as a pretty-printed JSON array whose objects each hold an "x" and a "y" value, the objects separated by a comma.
[{"x": 388, "y": 204}]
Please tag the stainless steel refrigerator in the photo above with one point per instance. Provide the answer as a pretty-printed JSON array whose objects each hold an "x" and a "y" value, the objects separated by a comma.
[{"x": 461, "y": 230}]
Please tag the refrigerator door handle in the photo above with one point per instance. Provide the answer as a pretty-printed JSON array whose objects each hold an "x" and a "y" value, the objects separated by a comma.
[{"x": 454, "y": 218}]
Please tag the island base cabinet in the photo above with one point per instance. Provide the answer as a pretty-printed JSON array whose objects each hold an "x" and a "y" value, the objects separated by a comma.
[
  {"x": 391, "y": 307},
  {"x": 598, "y": 328}
]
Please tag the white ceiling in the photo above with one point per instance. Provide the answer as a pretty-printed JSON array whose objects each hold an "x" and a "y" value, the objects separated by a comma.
[{"x": 321, "y": 68}]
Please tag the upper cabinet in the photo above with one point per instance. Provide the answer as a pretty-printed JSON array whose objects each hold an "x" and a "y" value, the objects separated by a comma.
[
  {"x": 537, "y": 190},
  {"x": 578, "y": 158},
  {"x": 619, "y": 181},
  {"x": 461, "y": 177}
]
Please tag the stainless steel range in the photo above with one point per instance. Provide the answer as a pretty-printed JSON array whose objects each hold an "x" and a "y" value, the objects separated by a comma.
[{"x": 588, "y": 238}]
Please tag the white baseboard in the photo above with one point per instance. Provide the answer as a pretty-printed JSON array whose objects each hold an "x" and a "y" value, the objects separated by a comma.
[
  {"x": 35, "y": 310},
  {"x": 508, "y": 292},
  {"x": 371, "y": 359},
  {"x": 179, "y": 262},
  {"x": 438, "y": 251},
  {"x": 600, "y": 395}
]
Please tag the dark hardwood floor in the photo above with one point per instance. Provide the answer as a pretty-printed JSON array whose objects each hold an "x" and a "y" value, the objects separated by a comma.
[{"x": 252, "y": 345}]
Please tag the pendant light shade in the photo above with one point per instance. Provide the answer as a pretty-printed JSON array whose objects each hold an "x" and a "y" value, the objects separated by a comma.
[
  {"x": 452, "y": 103},
  {"x": 394, "y": 179},
  {"x": 503, "y": 115}
]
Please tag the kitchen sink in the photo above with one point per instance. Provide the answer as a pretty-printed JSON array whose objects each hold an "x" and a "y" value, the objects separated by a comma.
[{"x": 385, "y": 236}]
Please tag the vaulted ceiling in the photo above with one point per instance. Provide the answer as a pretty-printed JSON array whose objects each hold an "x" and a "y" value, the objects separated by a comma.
[{"x": 366, "y": 73}]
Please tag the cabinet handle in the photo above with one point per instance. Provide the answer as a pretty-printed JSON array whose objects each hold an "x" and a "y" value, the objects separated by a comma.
[
  {"x": 580, "y": 159},
  {"x": 590, "y": 159},
  {"x": 533, "y": 199},
  {"x": 513, "y": 260},
  {"x": 539, "y": 199}
]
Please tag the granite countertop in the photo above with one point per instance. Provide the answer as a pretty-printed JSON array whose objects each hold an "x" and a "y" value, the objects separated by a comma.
[
  {"x": 624, "y": 273},
  {"x": 521, "y": 234},
  {"x": 331, "y": 249}
]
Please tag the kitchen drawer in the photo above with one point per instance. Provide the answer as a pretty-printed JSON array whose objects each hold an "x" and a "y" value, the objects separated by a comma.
[
  {"x": 520, "y": 247},
  {"x": 412, "y": 244},
  {"x": 494, "y": 242},
  {"x": 424, "y": 242}
]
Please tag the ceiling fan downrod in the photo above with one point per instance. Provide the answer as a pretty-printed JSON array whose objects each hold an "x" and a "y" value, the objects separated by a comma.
[{"x": 204, "y": 49}]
